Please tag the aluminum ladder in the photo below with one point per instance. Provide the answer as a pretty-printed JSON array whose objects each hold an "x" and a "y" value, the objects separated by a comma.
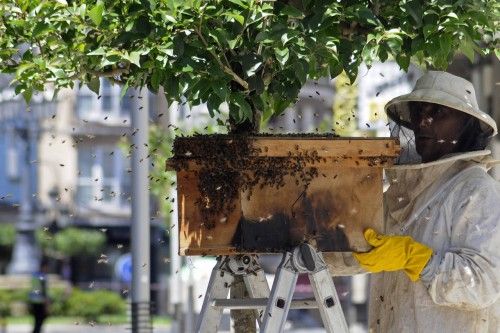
[{"x": 272, "y": 306}]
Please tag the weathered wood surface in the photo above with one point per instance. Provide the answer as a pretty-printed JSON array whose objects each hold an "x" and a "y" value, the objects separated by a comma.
[
  {"x": 332, "y": 213},
  {"x": 349, "y": 152}
]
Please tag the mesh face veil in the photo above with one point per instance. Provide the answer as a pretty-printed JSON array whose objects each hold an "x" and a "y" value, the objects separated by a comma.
[
  {"x": 471, "y": 137},
  {"x": 406, "y": 137}
]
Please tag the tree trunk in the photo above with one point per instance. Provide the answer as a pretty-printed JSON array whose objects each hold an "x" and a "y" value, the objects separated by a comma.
[
  {"x": 244, "y": 320},
  {"x": 246, "y": 127}
]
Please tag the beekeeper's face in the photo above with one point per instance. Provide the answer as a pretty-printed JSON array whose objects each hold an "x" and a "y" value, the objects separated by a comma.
[{"x": 437, "y": 129}]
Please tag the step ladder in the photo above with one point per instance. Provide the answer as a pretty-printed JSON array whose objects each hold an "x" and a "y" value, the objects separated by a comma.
[{"x": 272, "y": 306}]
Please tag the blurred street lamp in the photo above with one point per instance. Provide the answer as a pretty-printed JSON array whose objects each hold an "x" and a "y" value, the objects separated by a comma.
[
  {"x": 25, "y": 120},
  {"x": 26, "y": 254}
]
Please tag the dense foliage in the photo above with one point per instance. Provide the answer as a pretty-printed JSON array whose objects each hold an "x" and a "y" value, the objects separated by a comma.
[
  {"x": 71, "y": 242},
  {"x": 7, "y": 235},
  {"x": 254, "y": 55},
  {"x": 92, "y": 304},
  {"x": 89, "y": 305}
]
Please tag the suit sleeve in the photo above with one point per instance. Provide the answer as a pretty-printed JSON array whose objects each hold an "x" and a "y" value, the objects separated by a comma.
[{"x": 467, "y": 274}]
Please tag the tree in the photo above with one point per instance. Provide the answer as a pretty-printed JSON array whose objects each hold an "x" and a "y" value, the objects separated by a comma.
[
  {"x": 255, "y": 55},
  {"x": 71, "y": 242}
]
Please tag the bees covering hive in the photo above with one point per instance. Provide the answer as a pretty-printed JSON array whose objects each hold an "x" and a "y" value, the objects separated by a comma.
[{"x": 267, "y": 194}]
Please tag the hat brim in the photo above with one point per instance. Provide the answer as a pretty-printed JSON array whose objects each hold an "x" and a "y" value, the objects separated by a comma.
[{"x": 398, "y": 110}]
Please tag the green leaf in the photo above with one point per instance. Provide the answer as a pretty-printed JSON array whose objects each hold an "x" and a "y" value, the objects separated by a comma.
[
  {"x": 279, "y": 104},
  {"x": 282, "y": 55},
  {"x": 23, "y": 67},
  {"x": 291, "y": 12},
  {"x": 467, "y": 48},
  {"x": 54, "y": 96},
  {"x": 394, "y": 44},
  {"x": 251, "y": 63},
  {"x": 169, "y": 18},
  {"x": 58, "y": 72},
  {"x": 178, "y": 46},
  {"x": 129, "y": 25},
  {"x": 187, "y": 68},
  {"x": 152, "y": 5},
  {"x": 99, "y": 51},
  {"x": 94, "y": 85},
  {"x": 124, "y": 90},
  {"x": 267, "y": 113},
  {"x": 95, "y": 13},
  {"x": 219, "y": 35},
  {"x": 112, "y": 57},
  {"x": 382, "y": 53},
  {"x": 82, "y": 10},
  {"x": 220, "y": 88},
  {"x": 256, "y": 83},
  {"x": 213, "y": 104},
  {"x": 264, "y": 37},
  {"x": 352, "y": 71},
  {"x": 19, "y": 88},
  {"x": 394, "y": 40},
  {"x": 245, "y": 111},
  {"x": 415, "y": 9},
  {"x": 301, "y": 70},
  {"x": 134, "y": 58},
  {"x": 40, "y": 29},
  {"x": 335, "y": 68},
  {"x": 428, "y": 30},
  {"x": 417, "y": 44},
  {"x": 239, "y": 3},
  {"x": 445, "y": 43},
  {"x": 369, "y": 53},
  {"x": 232, "y": 43},
  {"x": 27, "y": 93},
  {"x": 403, "y": 61},
  {"x": 237, "y": 17},
  {"x": 171, "y": 87},
  {"x": 367, "y": 16},
  {"x": 18, "y": 23},
  {"x": 155, "y": 80}
]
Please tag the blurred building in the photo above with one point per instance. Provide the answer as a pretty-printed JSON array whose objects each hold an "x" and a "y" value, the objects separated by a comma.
[
  {"x": 80, "y": 173},
  {"x": 81, "y": 169}
]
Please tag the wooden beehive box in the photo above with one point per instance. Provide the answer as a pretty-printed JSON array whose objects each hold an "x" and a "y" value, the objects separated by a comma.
[{"x": 327, "y": 191}]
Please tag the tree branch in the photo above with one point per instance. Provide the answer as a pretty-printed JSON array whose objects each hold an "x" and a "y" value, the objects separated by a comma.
[{"x": 225, "y": 68}]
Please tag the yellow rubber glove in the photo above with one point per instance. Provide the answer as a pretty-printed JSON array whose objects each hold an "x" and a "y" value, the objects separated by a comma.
[{"x": 394, "y": 253}]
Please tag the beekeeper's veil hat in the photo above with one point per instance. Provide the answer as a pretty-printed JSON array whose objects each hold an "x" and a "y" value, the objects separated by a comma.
[{"x": 439, "y": 88}]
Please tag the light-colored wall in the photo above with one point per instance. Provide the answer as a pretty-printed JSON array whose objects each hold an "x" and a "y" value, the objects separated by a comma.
[{"x": 57, "y": 154}]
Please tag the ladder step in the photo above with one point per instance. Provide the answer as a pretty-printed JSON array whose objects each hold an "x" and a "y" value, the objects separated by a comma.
[{"x": 255, "y": 303}]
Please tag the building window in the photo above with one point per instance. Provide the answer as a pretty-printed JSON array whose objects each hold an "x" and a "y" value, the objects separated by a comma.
[
  {"x": 107, "y": 103},
  {"x": 109, "y": 108},
  {"x": 125, "y": 105},
  {"x": 101, "y": 180},
  {"x": 84, "y": 105},
  {"x": 106, "y": 96}
]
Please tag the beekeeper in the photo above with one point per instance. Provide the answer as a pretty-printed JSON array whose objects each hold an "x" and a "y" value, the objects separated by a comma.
[{"x": 438, "y": 258}]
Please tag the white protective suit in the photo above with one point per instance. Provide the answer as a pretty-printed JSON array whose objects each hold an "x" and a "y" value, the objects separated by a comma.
[{"x": 453, "y": 206}]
